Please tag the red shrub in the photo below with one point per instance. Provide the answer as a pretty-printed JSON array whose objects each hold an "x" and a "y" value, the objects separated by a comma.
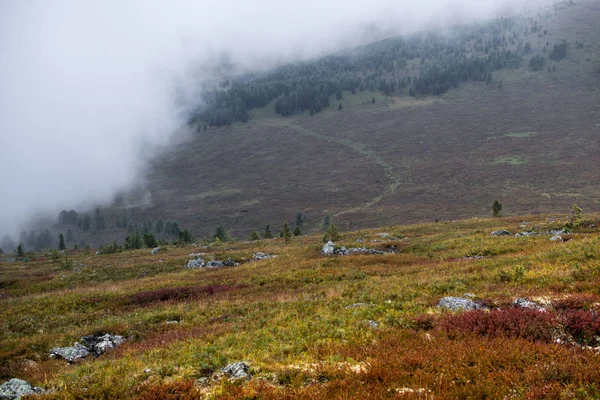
[
  {"x": 584, "y": 326},
  {"x": 576, "y": 302},
  {"x": 183, "y": 390},
  {"x": 510, "y": 323},
  {"x": 177, "y": 294}
]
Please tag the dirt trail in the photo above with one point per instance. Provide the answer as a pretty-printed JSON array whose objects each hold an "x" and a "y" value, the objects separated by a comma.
[{"x": 359, "y": 148}]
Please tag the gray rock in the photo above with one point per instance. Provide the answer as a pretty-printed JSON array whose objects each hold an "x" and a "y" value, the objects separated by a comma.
[
  {"x": 557, "y": 238},
  {"x": 341, "y": 251},
  {"x": 230, "y": 263},
  {"x": 328, "y": 248},
  {"x": 364, "y": 250},
  {"x": 155, "y": 250},
  {"x": 524, "y": 303},
  {"x": 196, "y": 255},
  {"x": 196, "y": 263},
  {"x": 372, "y": 324},
  {"x": 98, "y": 345},
  {"x": 501, "y": 233},
  {"x": 215, "y": 264},
  {"x": 262, "y": 256},
  {"x": 238, "y": 370},
  {"x": 458, "y": 303},
  {"x": 71, "y": 354},
  {"x": 383, "y": 235},
  {"x": 15, "y": 388},
  {"x": 525, "y": 234}
]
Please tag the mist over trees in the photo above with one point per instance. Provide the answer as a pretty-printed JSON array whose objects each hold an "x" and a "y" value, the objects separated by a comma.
[{"x": 421, "y": 64}]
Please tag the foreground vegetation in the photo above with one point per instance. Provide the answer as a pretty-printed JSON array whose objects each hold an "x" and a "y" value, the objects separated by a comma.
[{"x": 289, "y": 317}]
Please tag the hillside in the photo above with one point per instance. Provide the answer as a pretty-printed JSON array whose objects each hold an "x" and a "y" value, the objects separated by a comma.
[
  {"x": 527, "y": 139},
  {"x": 431, "y": 126},
  {"x": 310, "y": 326}
]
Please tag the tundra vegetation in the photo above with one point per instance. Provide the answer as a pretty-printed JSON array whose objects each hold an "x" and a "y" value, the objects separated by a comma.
[{"x": 313, "y": 326}]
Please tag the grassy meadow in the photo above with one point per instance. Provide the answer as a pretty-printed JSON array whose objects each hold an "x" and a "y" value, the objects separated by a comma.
[{"x": 289, "y": 317}]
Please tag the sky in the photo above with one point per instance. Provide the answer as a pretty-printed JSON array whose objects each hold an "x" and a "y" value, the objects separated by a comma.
[{"x": 91, "y": 90}]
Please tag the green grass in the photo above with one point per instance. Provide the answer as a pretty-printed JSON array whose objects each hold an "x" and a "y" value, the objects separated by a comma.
[{"x": 287, "y": 316}]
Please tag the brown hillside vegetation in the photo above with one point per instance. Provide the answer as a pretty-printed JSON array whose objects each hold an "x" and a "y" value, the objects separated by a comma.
[
  {"x": 531, "y": 143},
  {"x": 312, "y": 326}
]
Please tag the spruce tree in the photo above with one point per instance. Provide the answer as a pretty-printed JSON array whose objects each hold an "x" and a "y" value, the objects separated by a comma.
[
  {"x": 287, "y": 235},
  {"x": 496, "y": 208},
  {"x": 268, "y": 233},
  {"x": 61, "y": 242}
]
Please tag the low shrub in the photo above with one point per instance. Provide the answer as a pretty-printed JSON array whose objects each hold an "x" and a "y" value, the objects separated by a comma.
[
  {"x": 510, "y": 323},
  {"x": 177, "y": 294},
  {"x": 583, "y": 326}
]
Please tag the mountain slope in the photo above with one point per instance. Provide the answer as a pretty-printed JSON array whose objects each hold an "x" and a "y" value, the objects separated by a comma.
[{"x": 528, "y": 139}]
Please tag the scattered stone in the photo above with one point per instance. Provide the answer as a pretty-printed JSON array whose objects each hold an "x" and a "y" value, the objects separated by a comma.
[
  {"x": 328, "y": 248},
  {"x": 523, "y": 225},
  {"x": 524, "y": 303},
  {"x": 71, "y": 354},
  {"x": 155, "y": 250},
  {"x": 196, "y": 263},
  {"x": 469, "y": 295},
  {"x": 171, "y": 322},
  {"x": 215, "y": 264},
  {"x": 458, "y": 303},
  {"x": 147, "y": 370},
  {"x": 238, "y": 370},
  {"x": 229, "y": 263},
  {"x": 525, "y": 234},
  {"x": 359, "y": 240},
  {"x": 341, "y": 251},
  {"x": 355, "y": 305},
  {"x": 372, "y": 324},
  {"x": 15, "y": 388},
  {"x": 383, "y": 235},
  {"x": 98, "y": 345},
  {"x": 365, "y": 250},
  {"x": 196, "y": 255},
  {"x": 91, "y": 344},
  {"x": 557, "y": 238},
  {"x": 262, "y": 256},
  {"x": 501, "y": 233}
]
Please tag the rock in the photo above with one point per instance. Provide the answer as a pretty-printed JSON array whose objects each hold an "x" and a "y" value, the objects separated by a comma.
[
  {"x": 71, "y": 354},
  {"x": 15, "y": 388},
  {"x": 196, "y": 263},
  {"x": 92, "y": 344},
  {"x": 230, "y": 263},
  {"x": 524, "y": 303},
  {"x": 458, "y": 303},
  {"x": 328, "y": 248},
  {"x": 501, "y": 233},
  {"x": 196, "y": 255},
  {"x": 364, "y": 250},
  {"x": 383, "y": 235},
  {"x": 341, "y": 251},
  {"x": 155, "y": 250},
  {"x": 372, "y": 324},
  {"x": 525, "y": 234},
  {"x": 215, "y": 264},
  {"x": 262, "y": 256},
  {"x": 98, "y": 345},
  {"x": 355, "y": 305},
  {"x": 238, "y": 370},
  {"x": 556, "y": 239}
]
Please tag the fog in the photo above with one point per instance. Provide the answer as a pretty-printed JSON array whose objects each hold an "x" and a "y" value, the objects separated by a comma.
[{"x": 89, "y": 90}]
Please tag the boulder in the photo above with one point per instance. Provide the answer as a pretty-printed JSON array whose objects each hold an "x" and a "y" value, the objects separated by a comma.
[
  {"x": 230, "y": 263},
  {"x": 328, "y": 248},
  {"x": 155, "y": 250},
  {"x": 501, "y": 233},
  {"x": 98, "y": 345},
  {"x": 341, "y": 251},
  {"x": 262, "y": 256},
  {"x": 215, "y": 264},
  {"x": 196, "y": 263},
  {"x": 458, "y": 303},
  {"x": 524, "y": 303},
  {"x": 15, "y": 388},
  {"x": 71, "y": 354},
  {"x": 238, "y": 370}
]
